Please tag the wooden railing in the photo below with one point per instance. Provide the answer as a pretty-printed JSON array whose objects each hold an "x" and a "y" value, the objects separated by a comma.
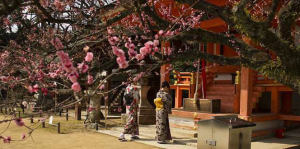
[
  {"x": 261, "y": 79},
  {"x": 185, "y": 77}
]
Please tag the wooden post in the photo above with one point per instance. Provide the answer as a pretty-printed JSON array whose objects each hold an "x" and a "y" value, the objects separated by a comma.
[
  {"x": 19, "y": 113},
  {"x": 58, "y": 127},
  {"x": 105, "y": 113},
  {"x": 5, "y": 110},
  {"x": 31, "y": 119},
  {"x": 67, "y": 116},
  {"x": 96, "y": 126},
  {"x": 55, "y": 102},
  {"x": 60, "y": 111},
  {"x": 77, "y": 111},
  {"x": 203, "y": 73},
  {"x": 274, "y": 100},
  {"x": 246, "y": 92},
  {"x": 43, "y": 124}
]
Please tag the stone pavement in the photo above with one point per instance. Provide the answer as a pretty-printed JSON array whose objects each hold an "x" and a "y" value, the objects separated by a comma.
[
  {"x": 182, "y": 139},
  {"x": 185, "y": 139}
]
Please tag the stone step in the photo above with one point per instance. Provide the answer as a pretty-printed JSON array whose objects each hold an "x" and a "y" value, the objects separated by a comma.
[{"x": 181, "y": 122}]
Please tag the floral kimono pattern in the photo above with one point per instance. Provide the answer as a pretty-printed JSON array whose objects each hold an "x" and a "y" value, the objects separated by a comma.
[
  {"x": 131, "y": 126},
  {"x": 163, "y": 132}
]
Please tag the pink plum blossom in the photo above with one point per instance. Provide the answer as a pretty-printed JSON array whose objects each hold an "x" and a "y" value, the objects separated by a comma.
[
  {"x": 57, "y": 43},
  {"x": 30, "y": 88},
  {"x": 121, "y": 59},
  {"x": 89, "y": 56},
  {"x": 132, "y": 53},
  {"x": 90, "y": 79},
  {"x": 72, "y": 78},
  {"x": 110, "y": 31},
  {"x": 156, "y": 43},
  {"x": 113, "y": 40},
  {"x": 117, "y": 52},
  {"x": 144, "y": 51},
  {"x": 102, "y": 87},
  {"x": 149, "y": 44},
  {"x": 139, "y": 57},
  {"x": 23, "y": 136},
  {"x": 91, "y": 109},
  {"x": 76, "y": 87},
  {"x": 123, "y": 65},
  {"x": 160, "y": 32},
  {"x": 52, "y": 75},
  {"x": 59, "y": 5},
  {"x": 45, "y": 91},
  {"x": 19, "y": 122},
  {"x": 42, "y": 119},
  {"x": 7, "y": 139},
  {"x": 84, "y": 68}
]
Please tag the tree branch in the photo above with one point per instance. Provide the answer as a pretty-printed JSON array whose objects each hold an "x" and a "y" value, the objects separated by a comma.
[
  {"x": 273, "y": 11},
  {"x": 9, "y": 9},
  {"x": 247, "y": 51},
  {"x": 287, "y": 16},
  {"x": 217, "y": 11},
  {"x": 193, "y": 55}
]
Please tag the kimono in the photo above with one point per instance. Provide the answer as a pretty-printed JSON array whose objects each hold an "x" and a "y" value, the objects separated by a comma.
[
  {"x": 131, "y": 126},
  {"x": 163, "y": 132}
]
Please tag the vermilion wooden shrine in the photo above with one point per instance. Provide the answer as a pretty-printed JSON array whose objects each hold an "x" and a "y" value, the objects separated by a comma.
[{"x": 242, "y": 91}]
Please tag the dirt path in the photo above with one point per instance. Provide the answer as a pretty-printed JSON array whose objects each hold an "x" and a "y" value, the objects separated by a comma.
[{"x": 74, "y": 137}]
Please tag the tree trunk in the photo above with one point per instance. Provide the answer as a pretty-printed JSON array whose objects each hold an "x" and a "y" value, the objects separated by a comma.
[{"x": 94, "y": 108}]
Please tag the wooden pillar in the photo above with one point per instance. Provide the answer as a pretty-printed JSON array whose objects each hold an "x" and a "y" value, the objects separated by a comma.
[
  {"x": 210, "y": 50},
  {"x": 287, "y": 102},
  {"x": 246, "y": 92},
  {"x": 178, "y": 100}
]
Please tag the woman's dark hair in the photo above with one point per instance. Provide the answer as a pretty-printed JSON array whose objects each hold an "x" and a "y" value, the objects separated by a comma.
[{"x": 165, "y": 84}]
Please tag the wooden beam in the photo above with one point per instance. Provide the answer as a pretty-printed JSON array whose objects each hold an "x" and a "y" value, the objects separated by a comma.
[
  {"x": 264, "y": 117},
  {"x": 289, "y": 117}
]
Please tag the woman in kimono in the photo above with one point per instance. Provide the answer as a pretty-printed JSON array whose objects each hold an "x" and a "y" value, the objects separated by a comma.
[
  {"x": 131, "y": 126},
  {"x": 163, "y": 104}
]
